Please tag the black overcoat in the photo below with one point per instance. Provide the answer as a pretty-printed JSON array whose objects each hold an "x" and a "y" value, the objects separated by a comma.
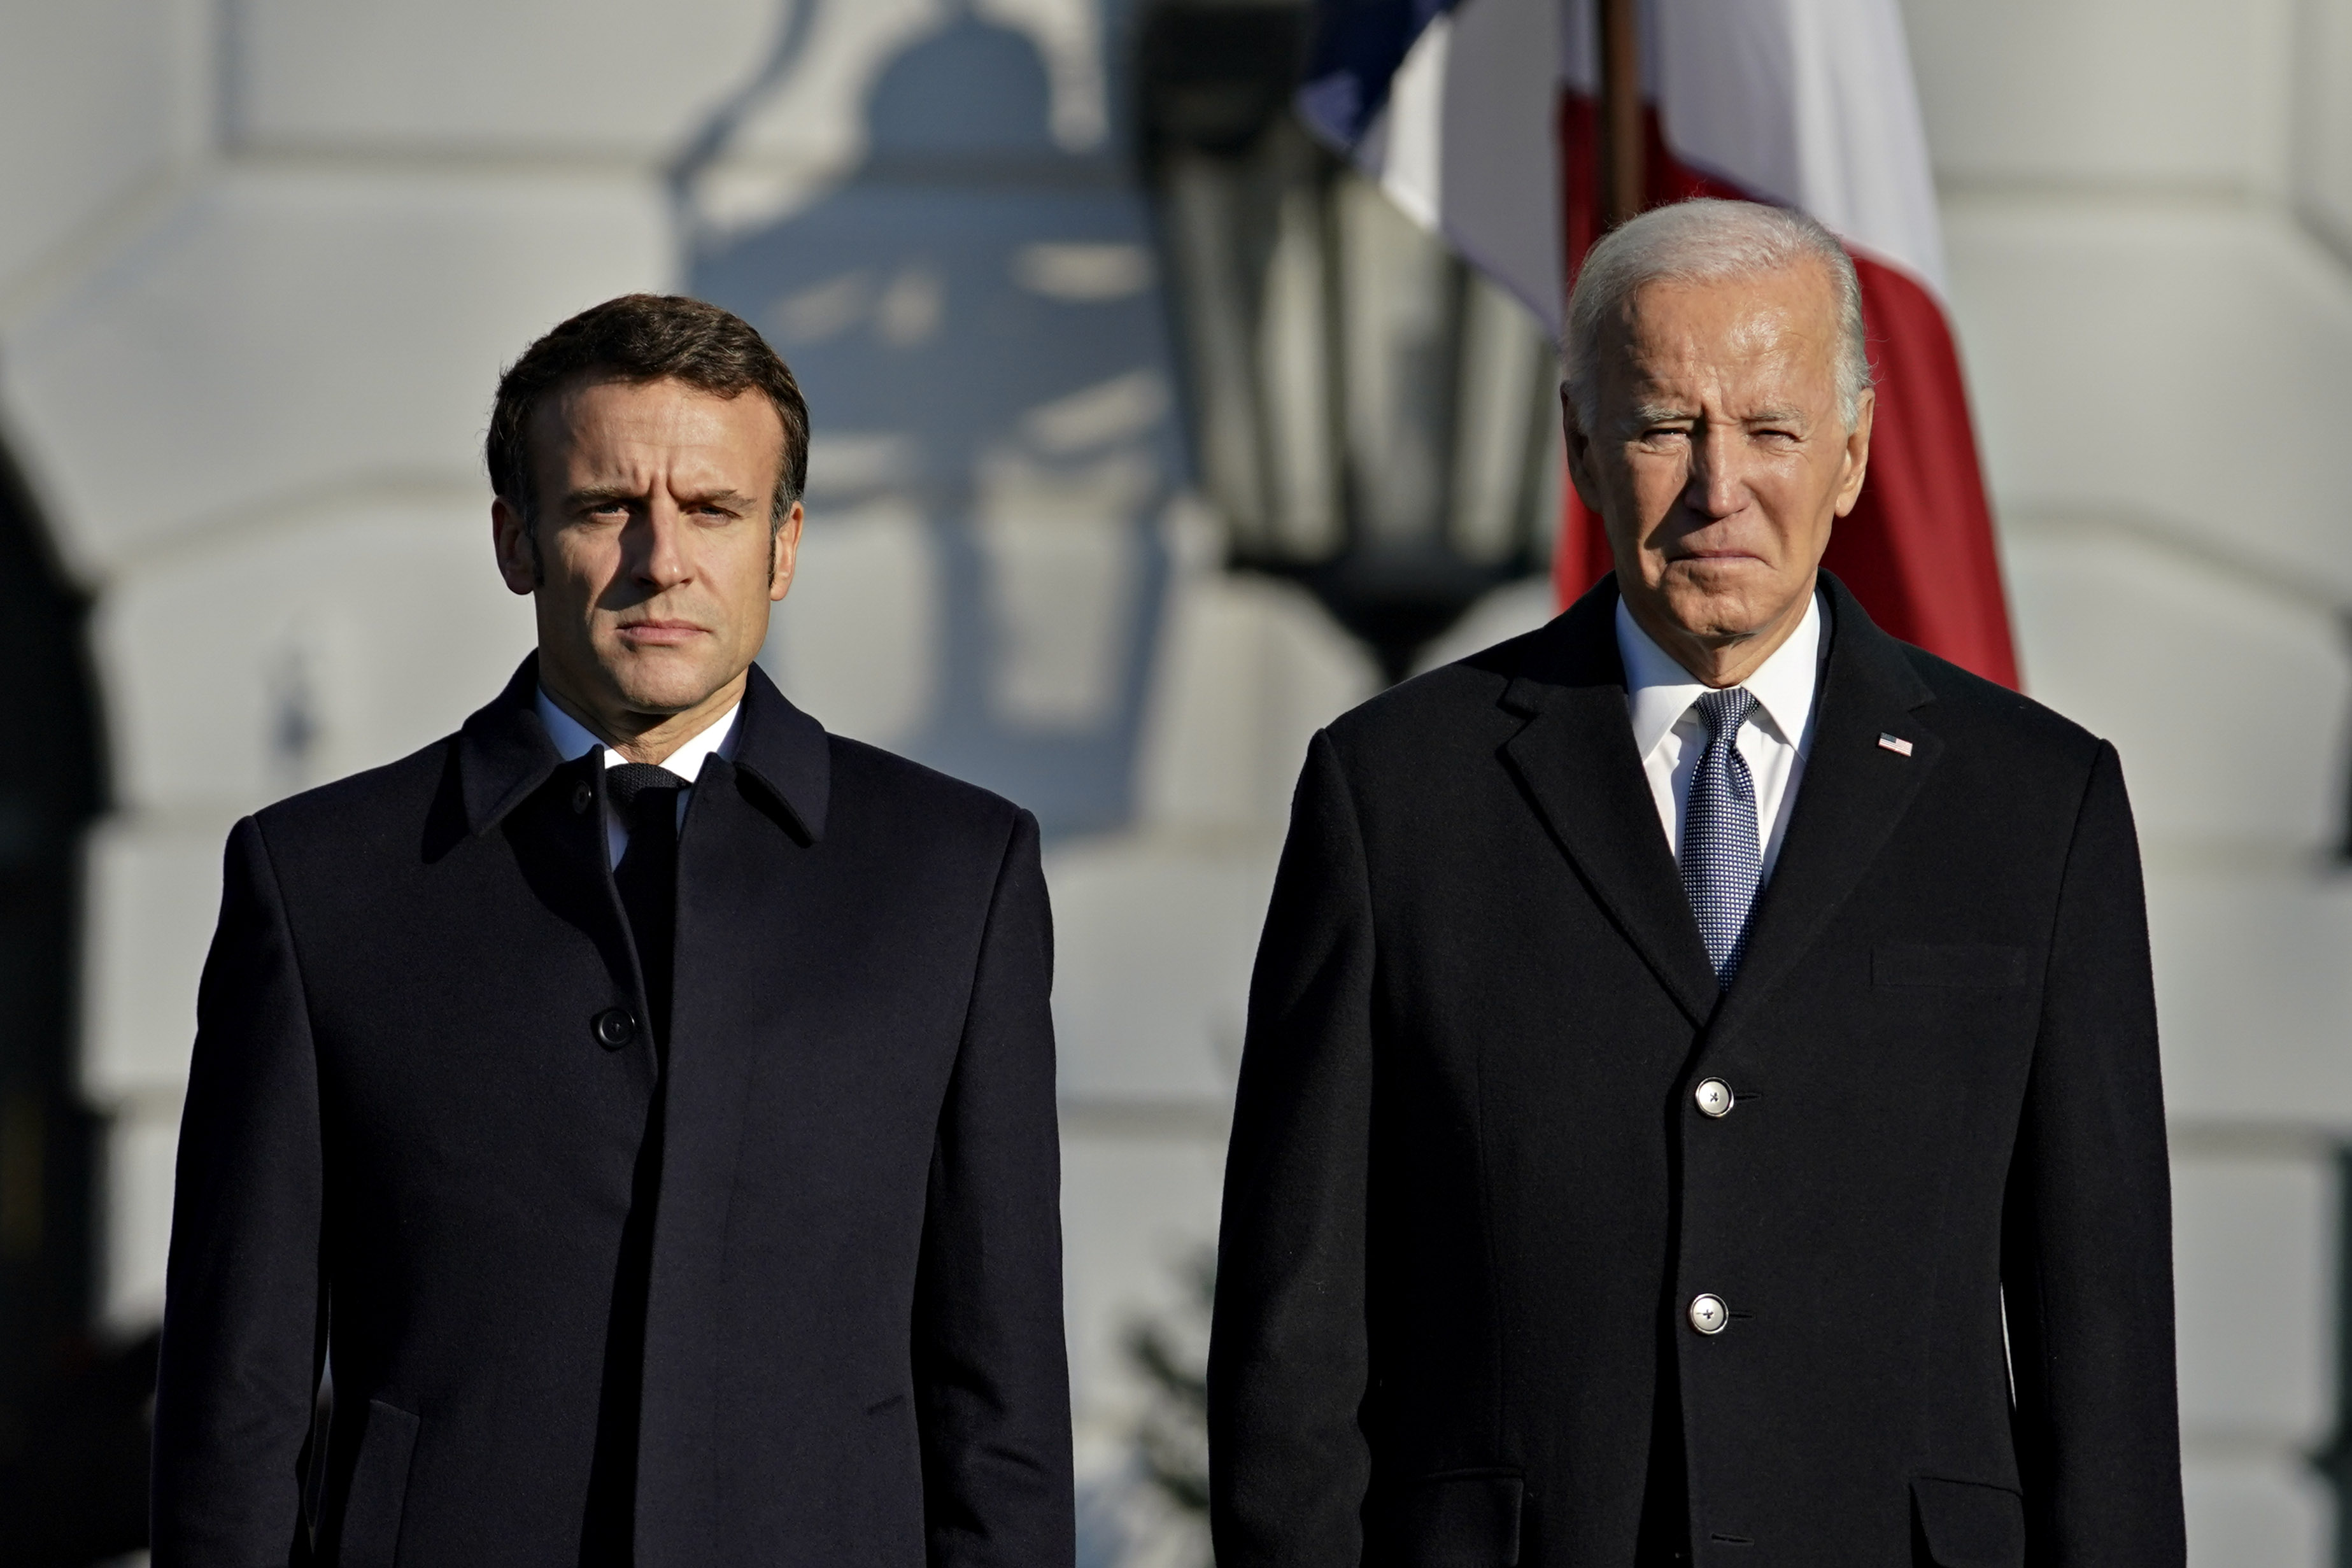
[
  {"x": 423, "y": 1108},
  {"x": 1471, "y": 1192}
]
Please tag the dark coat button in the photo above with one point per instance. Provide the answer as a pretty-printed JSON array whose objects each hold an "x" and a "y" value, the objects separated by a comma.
[
  {"x": 615, "y": 1028},
  {"x": 583, "y": 796}
]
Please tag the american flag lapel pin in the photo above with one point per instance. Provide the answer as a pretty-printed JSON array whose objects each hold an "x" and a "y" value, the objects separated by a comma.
[{"x": 1894, "y": 743}]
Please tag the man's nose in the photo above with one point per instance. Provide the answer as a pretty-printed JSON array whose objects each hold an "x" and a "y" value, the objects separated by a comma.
[
  {"x": 657, "y": 545},
  {"x": 1715, "y": 487}
]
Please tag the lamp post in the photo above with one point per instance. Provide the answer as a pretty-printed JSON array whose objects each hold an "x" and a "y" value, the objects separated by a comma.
[{"x": 1372, "y": 419}]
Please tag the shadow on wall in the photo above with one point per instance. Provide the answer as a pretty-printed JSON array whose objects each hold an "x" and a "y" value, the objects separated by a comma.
[{"x": 974, "y": 318}]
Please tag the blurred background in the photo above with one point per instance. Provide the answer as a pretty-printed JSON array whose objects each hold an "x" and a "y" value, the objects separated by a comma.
[{"x": 1147, "y": 439}]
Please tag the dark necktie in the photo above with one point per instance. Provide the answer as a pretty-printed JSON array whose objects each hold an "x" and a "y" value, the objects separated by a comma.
[
  {"x": 1722, "y": 859},
  {"x": 647, "y": 874}
]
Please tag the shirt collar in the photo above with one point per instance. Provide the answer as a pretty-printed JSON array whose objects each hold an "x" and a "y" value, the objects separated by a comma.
[
  {"x": 573, "y": 739},
  {"x": 1659, "y": 692}
]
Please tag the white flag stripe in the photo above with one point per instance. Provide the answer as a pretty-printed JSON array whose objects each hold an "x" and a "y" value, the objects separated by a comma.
[
  {"x": 1405, "y": 144},
  {"x": 1468, "y": 142},
  {"x": 1807, "y": 102}
]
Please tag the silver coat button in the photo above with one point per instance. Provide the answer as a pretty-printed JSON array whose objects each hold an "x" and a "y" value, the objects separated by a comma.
[
  {"x": 1713, "y": 1097},
  {"x": 1708, "y": 1315}
]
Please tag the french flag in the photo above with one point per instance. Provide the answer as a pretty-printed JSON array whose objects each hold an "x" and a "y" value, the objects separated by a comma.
[{"x": 1480, "y": 119}]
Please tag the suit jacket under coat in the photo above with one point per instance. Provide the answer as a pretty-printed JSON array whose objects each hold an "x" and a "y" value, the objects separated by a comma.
[
  {"x": 1470, "y": 1194},
  {"x": 403, "y": 1119}
]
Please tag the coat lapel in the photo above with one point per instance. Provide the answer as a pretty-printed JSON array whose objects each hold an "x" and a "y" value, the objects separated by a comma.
[
  {"x": 1575, "y": 759},
  {"x": 503, "y": 751},
  {"x": 1854, "y": 793},
  {"x": 504, "y": 760},
  {"x": 746, "y": 887}
]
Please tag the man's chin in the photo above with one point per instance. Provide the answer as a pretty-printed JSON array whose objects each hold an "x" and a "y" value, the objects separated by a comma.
[
  {"x": 1717, "y": 617},
  {"x": 1702, "y": 572},
  {"x": 659, "y": 681}
]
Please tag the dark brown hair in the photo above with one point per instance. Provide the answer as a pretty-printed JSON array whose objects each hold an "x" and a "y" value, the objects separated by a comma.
[{"x": 645, "y": 338}]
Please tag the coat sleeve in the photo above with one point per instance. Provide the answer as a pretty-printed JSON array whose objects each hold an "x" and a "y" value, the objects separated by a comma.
[
  {"x": 242, "y": 1313},
  {"x": 1288, "y": 1459},
  {"x": 2087, "y": 1242},
  {"x": 991, "y": 1374}
]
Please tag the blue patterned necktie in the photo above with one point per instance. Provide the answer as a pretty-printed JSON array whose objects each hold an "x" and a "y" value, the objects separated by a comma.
[{"x": 1722, "y": 859}]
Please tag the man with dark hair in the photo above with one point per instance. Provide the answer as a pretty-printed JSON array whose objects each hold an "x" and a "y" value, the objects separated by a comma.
[{"x": 641, "y": 1099}]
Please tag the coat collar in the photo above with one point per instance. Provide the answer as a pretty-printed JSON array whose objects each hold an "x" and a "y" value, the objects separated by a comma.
[
  {"x": 787, "y": 753},
  {"x": 504, "y": 753},
  {"x": 1576, "y": 761}
]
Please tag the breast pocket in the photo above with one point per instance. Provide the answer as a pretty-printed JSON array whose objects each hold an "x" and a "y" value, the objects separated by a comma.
[{"x": 1950, "y": 965}]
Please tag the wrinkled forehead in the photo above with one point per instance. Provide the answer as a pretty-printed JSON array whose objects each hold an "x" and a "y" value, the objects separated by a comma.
[
  {"x": 598, "y": 419},
  {"x": 1780, "y": 327}
]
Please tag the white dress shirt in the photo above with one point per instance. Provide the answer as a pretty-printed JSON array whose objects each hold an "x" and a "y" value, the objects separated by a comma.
[
  {"x": 1669, "y": 734},
  {"x": 572, "y": 739}
]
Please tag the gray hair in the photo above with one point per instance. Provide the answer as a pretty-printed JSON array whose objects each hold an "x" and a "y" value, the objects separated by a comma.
[{"x": 1705, "y": 241}]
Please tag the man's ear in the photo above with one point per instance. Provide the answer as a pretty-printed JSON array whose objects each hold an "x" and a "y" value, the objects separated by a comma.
[
  {"x": 1857, "y": 454},
  {"x": 1579, "y": 454},
  {"x": 785, "y": 553},
  {"x": 515, "y": 545}
]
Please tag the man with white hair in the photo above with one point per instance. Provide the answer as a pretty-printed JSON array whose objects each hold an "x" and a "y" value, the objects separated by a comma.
[{"x": 1700, "y": 1101}]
